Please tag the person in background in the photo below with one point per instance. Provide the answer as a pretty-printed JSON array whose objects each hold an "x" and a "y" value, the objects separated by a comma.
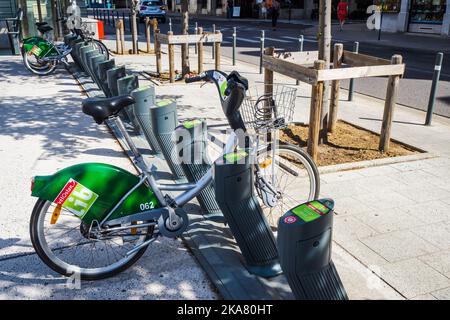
[
  {"x": 342, "y": 11},
  {"x": 273, "y": 8},
  {"x": 229, "y": 9}
]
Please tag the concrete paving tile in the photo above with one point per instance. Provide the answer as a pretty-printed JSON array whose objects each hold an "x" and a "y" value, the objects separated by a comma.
[
  {"x": 439, "y": 261},
  {"x": 340, "y": 176},
  {"x": 388, "y": 220},
  {"x": 381, "y": 183},
  {"x": 430, "y": 211},
  {"x": 425, "y": 193},
  {"x": 414, "y": 178},
  {"x": 348, "y": 206},
  {"x": 361, "y": 252},
  {"x": 347, "y": 227},
  {"x": 378, "y": 171},
  {"x": 358, "y": 280},
  {"x": 443, "y": 294},
  {"x": 344, "y": 189},
  {"x": 412, "y": 165},
  {"x": 413, "y": 278},
  {"x": 384, "y": 200},
  {"x": 437, "y": 233},
  {"x": 399, "y": 245}
]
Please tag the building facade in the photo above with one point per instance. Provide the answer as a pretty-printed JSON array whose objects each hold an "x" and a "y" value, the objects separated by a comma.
[{"x": 420, "y": 16}]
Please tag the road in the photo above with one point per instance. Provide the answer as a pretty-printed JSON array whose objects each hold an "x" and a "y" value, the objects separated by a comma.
[{"x": 414, "y": 87}]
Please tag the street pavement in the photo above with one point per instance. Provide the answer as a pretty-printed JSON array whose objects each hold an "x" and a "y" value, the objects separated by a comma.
[
  {"x": 418, "y": 51},
  {"x": 42, "y": 130}
]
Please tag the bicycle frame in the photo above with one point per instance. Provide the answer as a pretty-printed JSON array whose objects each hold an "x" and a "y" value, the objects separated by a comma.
[{"x": 191, "y": 190}]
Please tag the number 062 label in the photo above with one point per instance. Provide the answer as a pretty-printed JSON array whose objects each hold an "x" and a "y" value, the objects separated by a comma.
[{"x": 76, "y": 198}]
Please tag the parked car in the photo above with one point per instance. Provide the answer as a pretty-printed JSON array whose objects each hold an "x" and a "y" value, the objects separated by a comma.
[{"x": 152, "y": 9}]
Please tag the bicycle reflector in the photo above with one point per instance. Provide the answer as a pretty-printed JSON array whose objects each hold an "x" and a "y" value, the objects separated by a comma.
[{"x": 304, "y": 247}]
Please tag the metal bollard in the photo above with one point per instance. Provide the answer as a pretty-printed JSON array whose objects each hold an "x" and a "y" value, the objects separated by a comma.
[
  {"x": 434, "y": 85},
  {"x": 234, "y": 46},
  {"x": 196, "y": 32},
  {"x": 213, "y": 47},
  {"x": 123, "y": 19},
  {"x": 170, "y": 24},
  {"x": 351, "y": 85},
  {"x": 130, "y": 24},
  {"x": 301, "y": 39},
  {"x": 112, "y": 17},
  {"x": 109, "y": 21},
  {"x": 261, "y": 50}
]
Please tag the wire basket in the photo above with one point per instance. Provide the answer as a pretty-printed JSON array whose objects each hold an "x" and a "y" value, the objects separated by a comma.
[{"x": 265, "y": 111}]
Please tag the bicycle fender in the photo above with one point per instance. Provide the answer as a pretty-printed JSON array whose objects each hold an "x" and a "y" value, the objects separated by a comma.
[{"x": 91, "y": 190}]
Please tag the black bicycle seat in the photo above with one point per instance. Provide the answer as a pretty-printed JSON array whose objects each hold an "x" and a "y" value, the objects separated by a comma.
[
  {"x": 44, "y": 29},
  {"x": 102, "y": 108},
  {"x": 234, "y": 75},
  {"x": 40, "y": 24}
]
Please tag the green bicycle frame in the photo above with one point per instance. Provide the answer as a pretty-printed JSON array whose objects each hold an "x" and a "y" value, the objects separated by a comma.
[
  {"x": 40, "y": 47},
  {"x": 91, "y": 190}
]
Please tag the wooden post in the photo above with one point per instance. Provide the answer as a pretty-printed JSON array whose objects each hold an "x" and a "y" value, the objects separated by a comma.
[
  {"x": 147, "y": 33},
  {"x": 157, "y": 52},
  {"x": 155, "y": 27},
  {"x": 268, "y": 90},
  {"x": 171, "y": 60},
  {"x": 118, "y": 37},
  {"x": 185, "y": 46},
  {"x": 334, "y": 103},
  {"x": 217, "y": 53},
  {"x": 389, "y": 105},
  {"x": 315, "y": 113},
  {"x": 122, "y": 37},
  {"x": 200, "y": 52}
]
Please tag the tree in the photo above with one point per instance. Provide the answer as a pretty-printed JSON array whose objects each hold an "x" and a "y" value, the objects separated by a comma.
[
  {"x": 184, "y": 30},
  {"x": 324, "y": 36}
]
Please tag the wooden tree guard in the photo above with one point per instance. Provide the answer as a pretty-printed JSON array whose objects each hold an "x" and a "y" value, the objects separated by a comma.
[
  {"x": 157, "y": 52},
  {"x": 147, "y": 34},
  {"x": 200, "y": 52},
  {"x": 315, "y": 113},
  {"x": 357, "y": 66},
  {"x": 120, "y": 38},
  {"x": 171, "y": 60},
  {"x": 337, "y": 61},
  {"x": 171, "y": 40},
  {"x": 389, "y": 104},
  {"x": 217, "y": 53}
]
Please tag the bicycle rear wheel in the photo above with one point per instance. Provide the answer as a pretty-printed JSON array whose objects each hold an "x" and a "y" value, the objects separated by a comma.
[
  {"x": 100, "y": 46},
  {"x": 292, "y": 173},
  {"x": 71, "y": 247}
]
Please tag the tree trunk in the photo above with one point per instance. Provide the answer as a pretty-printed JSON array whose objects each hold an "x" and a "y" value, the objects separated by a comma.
[
  {"x": 134, "y": 35},
  {"x": 324, "y": 54},
  {"x": 185, "y": 69}
]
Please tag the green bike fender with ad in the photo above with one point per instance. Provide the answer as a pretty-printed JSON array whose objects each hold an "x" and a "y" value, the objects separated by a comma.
[
  {"x": 44, "y": 48},
  {"x": 91, "y": 190}
]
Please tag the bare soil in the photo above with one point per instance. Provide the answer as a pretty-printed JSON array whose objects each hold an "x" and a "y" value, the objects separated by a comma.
[{"x": 347, "y": 144}]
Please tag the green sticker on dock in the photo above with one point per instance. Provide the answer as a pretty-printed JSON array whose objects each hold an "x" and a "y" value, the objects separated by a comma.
[{"x": 310, "y": 211}]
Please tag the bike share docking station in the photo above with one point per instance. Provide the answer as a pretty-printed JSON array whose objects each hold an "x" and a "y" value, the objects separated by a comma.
[
  {"x": 233, "y": 182},
  {"x": 191, "y": 146},
  {"x": 304, "y": 244},
  {"x": 164, "y": 119}
]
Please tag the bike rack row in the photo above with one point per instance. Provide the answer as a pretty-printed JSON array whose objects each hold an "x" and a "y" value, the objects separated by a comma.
[{"x": 303, "y": 247}]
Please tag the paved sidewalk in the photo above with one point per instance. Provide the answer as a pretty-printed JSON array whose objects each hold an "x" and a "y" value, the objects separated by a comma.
[
  {"x": 392, "y": 226},
  {"x": 42, "y": 129}
]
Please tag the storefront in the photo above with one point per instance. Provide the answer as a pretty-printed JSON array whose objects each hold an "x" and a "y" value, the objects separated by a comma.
[{"x": 426, "y": 16}]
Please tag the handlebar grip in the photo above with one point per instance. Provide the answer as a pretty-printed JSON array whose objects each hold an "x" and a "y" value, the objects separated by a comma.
[{"x": 195, "y": 79}]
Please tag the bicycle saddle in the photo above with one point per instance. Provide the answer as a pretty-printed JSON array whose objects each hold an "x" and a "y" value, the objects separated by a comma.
[
  {"x": 44, "y": 28},
  {"x": 102, "y": 108},
  {"x": 40, "y": 24}
]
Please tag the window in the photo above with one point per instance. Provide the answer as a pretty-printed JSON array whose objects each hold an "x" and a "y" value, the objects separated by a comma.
[
  {"x": 389, "y": 5},
  {"x": 427, "y": 11}
]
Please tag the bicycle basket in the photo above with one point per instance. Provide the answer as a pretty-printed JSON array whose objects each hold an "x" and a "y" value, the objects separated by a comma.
[{"x": 268, "y": 110}]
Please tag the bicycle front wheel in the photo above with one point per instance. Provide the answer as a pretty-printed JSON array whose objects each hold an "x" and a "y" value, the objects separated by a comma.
[{"x": 292, "y": 174}]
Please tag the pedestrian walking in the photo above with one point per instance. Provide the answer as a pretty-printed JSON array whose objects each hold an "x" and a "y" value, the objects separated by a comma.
[
  {"x": 342, "y": 11},
  {"x": 229, "y": 9},
  {"x": 273, "y": 8}
]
